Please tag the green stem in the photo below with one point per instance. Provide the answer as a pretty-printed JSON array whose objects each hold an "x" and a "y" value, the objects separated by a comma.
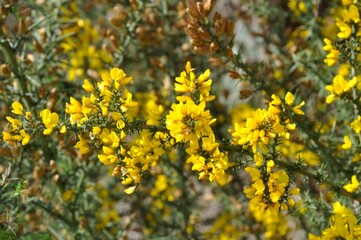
[{"x": 10, "y": 58}]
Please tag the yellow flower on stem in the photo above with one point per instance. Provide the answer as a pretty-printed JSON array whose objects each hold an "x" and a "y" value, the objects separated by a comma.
[
  {"x": 345, "y": 29},
  {"x": 74, "y": 108},
  {"x": 353, "y": 186},
  {"x": 82, "y": 145},
  {"x": 188, "y": 121},
  {"x": 348, "y": 144},
  {"x": 259, "y": 130},
  {"x": 338, "y": 87},
  {"x": 17, "y": 108},
  {"x": 50, "y": 120},
  {"x": 356, "y": 125},
  {"x": 26, "y": 137},
  {"x": 192, "y": 87},
  {"x": 331, "y": 58}
]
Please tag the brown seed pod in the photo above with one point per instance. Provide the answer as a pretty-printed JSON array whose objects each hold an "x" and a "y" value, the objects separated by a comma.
[
  {"x": 5, "y": 70},
  {"x": 24, "y": 10}
]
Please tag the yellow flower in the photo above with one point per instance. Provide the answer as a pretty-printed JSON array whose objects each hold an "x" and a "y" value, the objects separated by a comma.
[
  {"x": 26, "y": 137},
  {"x": 82, "y": 145},
  {"x": 119, "y": 77},
  {"x": 109, "y": 137},
  {"x": 345, "y": 29},
  {"x": 353, "y": 186},
  {"x": 130, "y": 190},
  {"x": 62, "y": 129},
  {"x": 343, "y": 225},
  {"x": 356, "y": 125},
  {"x": 339, "y": 86},
  {"x": 192, "y": 87},
  {"x": 88, "y": 87},
  {"x": 15, "y": 123},
  {"x": 188, "y": 121},
  {"x": 331, "y": 58},
  {"x": 351, "y": 14},
  {"x": 259, "y": 130},
  {"x": 50, "y": 120},
  {"x": 108, "y": 157},
  {"x": 348, "y": 144},
  {"x": 17, "y": 108},
  {"x": 289, "y": 98},
  {"x": 75, "y": 110}
]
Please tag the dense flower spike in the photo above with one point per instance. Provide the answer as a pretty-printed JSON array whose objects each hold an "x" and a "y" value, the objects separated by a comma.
[
  {"x": 209, "y": 161},
  {"x": 331, "y": 58},
  {"x": 265, "y": 125},
  {"x": 339, "y": 87},
  {"x": 192, "y": 87},
  {"x": 343, "y": 224},
  {"x": 269, "y": 190}
]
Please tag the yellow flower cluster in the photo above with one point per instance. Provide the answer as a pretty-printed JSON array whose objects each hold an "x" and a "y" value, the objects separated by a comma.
[
  {"x": 331, "y": 58},
  {"x": 162, "y": 191},
  {"x": 343, "y": 225},
  {"x": 266, "y": 125},
  {"x": 275, "y": 224},
  {"x": 297, "y": 7},
  {"x": 223, "y": 228},
  {"x": 189, "y": 122},
  {"x": 350, "y": 16},
  {"x": 80, "y": 41},
  {"x": 270, "y": 189},
  {"x": 21, "y": 130},
  {"x": 339, "y": 87}
]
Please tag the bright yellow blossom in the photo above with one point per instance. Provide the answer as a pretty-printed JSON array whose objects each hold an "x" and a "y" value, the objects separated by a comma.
[
  {"x": 188, "y": 121},
  {"x": 339, "y": 86},
  {"x": 196, "y": 89},
  {"x": 345, "y": 29},
  {"x": 331, "y": 58},
  {"x": 356, "y": 125},
  {"x": 353, "y": 186},
  {"x": 50, "y": 120},
  {"x": 348, "y": 144},
  {"x": 88, "y": 87},
  {"x": 343, "y": 225},
  {"x": 259, "y": 130},
  {"x": 74, "y": 108},
  {"x": 17, "y": 108},
  {"x": 82, "y": 145}
]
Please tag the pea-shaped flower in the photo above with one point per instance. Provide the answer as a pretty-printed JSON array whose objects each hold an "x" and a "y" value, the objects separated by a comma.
[{"x": 50, "y": 120}]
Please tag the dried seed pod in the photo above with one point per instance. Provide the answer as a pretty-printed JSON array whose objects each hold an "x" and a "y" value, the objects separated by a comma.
[
  {"x": 245, "y": 93},
  {"x": 5, "y": 70},
  {"x": 192, "y": 10},
  {"x": 24, "y": 10},
  {"x": 116, "y": 170},
  {"x": 38, "y": 47},
  {"x": 200, "y": 9},
  {"x": 42, "y": 33},
  {"x": 234, "y": 75},
  {"x": 55, "y": 178},
  {"x": 52, "y": 165},
  {"x": 213, "y": 47},
  {"x": 208, "y": 6},
  {"x": 53, "y": 98}
]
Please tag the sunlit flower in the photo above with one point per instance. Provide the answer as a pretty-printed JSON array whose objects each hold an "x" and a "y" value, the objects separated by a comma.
[
  {"x": 50, "y": 120},
  {"x": 188, "y": 121},
  {"x": 353, "y": 186}
]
